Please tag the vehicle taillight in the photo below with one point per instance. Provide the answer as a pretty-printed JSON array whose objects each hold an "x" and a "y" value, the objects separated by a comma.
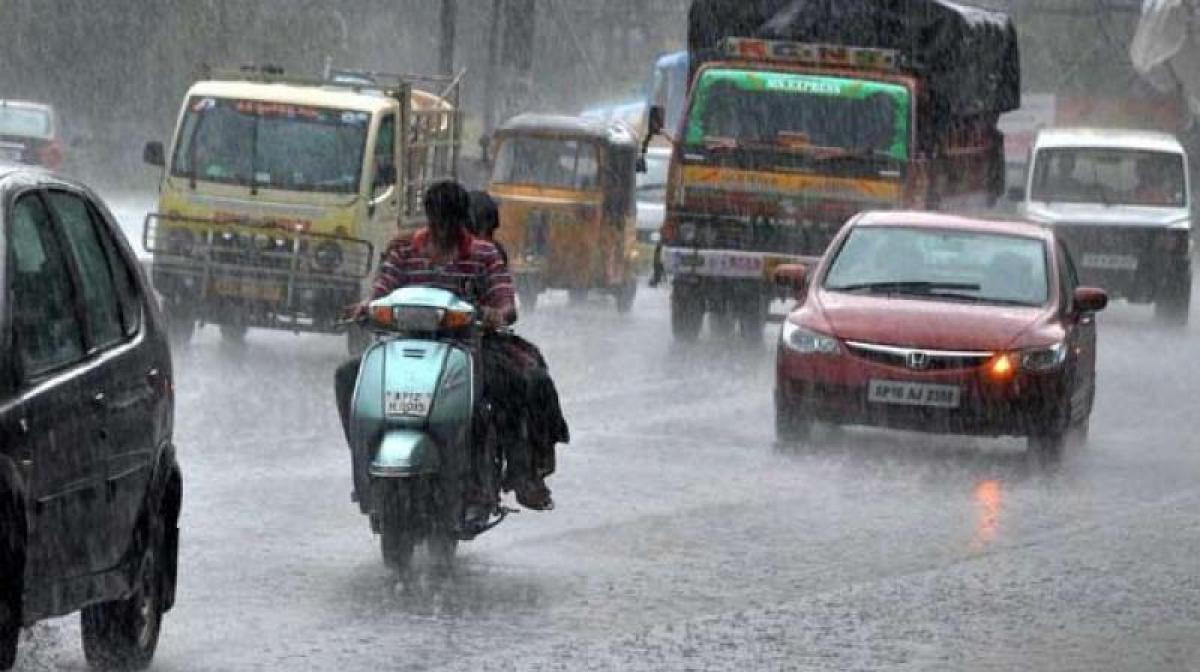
[{"x": 50, "y": 155}]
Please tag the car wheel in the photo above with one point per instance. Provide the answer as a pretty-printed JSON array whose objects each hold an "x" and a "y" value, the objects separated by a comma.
[
  {"x": 687, "y": 315},
  {"x": 792, "y": 425},
  {"x": 1174, "y": 308},
  {"x": 12, "y": 574},
  {"x": 123, "y": 634},
  {"x": 397, "y": 539},
  {"x": 1048, "y": 444}
]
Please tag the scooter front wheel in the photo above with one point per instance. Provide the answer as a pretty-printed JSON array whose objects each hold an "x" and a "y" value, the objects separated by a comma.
[{"x": 397, "y": 538}]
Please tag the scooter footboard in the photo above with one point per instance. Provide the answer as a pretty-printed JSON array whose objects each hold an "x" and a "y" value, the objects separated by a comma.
[{"x": 405, "y": 453}]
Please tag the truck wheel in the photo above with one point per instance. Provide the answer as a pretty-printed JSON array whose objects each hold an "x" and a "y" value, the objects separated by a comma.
[
  {"x": 752, "y": 320},
  {"x": 180, "y": 323},
  {"x": 397, "y": 538},
  {"x": 626, "y": 296},
  {"x": 234, "y": 334},
  {"x": 123, "y": 634},
  {"x": 12, "y": 579},
  {"x": 1173, "y": 309},
  {"x": 687, "y": 315}
]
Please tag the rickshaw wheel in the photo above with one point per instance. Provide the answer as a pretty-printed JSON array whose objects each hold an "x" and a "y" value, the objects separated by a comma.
[{"x": 626, "y": 296}]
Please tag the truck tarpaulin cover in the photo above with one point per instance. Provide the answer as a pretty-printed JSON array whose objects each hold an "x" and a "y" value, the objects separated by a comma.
[{"x": 968, "y": 55}]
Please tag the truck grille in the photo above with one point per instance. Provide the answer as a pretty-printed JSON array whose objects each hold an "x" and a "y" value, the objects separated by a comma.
[{"x": 759, "y": 235}]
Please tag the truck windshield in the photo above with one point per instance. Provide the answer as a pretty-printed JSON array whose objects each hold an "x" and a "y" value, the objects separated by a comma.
[
  {"x": 794, "y": 111},
  {"x": 272, "y": 145},
  {"x": 941, "y": 264},
  {"x": 1110, "y": 176},
  {"x": 547, "y": 162}
]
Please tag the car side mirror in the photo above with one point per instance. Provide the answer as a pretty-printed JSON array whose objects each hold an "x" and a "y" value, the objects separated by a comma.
[
  {"x": 1089, "y": 300},
  {"x": 154, "y": 154},
  {"x": 1016, "y": 194},
  {"x": 791, "y": 277}
]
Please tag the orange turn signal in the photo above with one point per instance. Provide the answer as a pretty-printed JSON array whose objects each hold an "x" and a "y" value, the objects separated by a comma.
[
  {"x": 383, "y": 316},
  {"x": 457, "y": 319},
  {"x": 1002, "y": 367}
]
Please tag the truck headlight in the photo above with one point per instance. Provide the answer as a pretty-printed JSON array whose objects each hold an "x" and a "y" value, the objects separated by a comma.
[
  {"x": 181, "y": 242},
  {"x": 807, "y": 342},
  {"x": 327, "y": 257},
  {"x": 1041, "y": 360}
]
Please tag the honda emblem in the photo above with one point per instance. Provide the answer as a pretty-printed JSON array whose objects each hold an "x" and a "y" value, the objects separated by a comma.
[{"x": 918, "y": 361}]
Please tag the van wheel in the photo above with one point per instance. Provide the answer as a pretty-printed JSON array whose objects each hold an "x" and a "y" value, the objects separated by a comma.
[
  {"x": 12, "y": 572},
  {"x": 397, "y": 539},
  {"x": 1174, "y": 307},
  {"x": 687, "y": 315},
  {"x": 123, "y": 634}
]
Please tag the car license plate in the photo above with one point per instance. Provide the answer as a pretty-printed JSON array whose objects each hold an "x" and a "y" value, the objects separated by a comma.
[
  {"x": 408, "y": 404},
  {"x": 914, "y": 394},
  {"x": 248, "y": 290},
  {"x": 1110, "y": 262}
]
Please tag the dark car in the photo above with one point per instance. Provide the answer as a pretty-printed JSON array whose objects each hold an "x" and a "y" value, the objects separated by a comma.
[
  {"x": 90, "y": 489},
  {"x": 29, "y": 134},
  {"x": 941, "y": 324}
]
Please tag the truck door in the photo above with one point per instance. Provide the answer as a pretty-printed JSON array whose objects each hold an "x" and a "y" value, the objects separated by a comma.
[{"x": 384, "y": 211}]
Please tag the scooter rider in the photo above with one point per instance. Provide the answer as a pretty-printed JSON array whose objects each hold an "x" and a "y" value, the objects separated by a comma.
[{"x": 445, "y": 255}]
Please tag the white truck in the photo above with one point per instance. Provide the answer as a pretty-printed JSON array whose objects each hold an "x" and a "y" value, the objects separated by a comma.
[{"x": 1121, "y": 201}]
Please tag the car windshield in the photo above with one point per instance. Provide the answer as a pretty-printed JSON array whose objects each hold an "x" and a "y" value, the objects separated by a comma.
[
  {"x": 24, "y": 121},
  {"x": 795, "y": 111},
  {"x": 274, "y": 145},
  {"x": 1110, "y": 177},
  {"x": 941, "y": 264},
  {"x": 547, "y": 162}
]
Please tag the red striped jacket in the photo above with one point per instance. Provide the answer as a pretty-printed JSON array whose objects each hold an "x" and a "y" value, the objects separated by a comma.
[{"x": 478, "y": 274}]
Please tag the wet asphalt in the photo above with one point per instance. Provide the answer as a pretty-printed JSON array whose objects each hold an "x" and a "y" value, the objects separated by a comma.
[{"x": 684, "y": 538}]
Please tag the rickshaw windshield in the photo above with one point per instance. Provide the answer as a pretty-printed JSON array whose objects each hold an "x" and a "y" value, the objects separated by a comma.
[{"x": 548, "y": 162}]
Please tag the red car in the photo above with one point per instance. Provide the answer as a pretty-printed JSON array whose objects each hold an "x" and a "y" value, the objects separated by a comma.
[
  {"x": 940, "y": 324},
  {"x": 29, "y": 134}
]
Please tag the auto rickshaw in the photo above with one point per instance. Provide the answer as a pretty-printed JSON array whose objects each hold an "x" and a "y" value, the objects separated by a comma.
[{"x": 568, "y": 209}]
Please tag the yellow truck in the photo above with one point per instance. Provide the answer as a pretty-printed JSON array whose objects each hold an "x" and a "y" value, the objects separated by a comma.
[{"x": 279, "y": 193}]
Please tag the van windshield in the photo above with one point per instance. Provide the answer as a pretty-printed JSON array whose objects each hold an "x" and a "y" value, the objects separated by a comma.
[
  {"x": 547, "y": 162},
  {"x": 271, "y": 145},
  {"x": 1110, "y": 176}
]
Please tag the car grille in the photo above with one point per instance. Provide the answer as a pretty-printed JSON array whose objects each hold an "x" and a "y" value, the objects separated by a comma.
[{"x": 919, "y": 360}]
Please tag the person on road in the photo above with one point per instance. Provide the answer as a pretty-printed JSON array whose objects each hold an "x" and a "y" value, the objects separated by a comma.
[
  {"x": 545, "y": 424},
  {"x": 445, "y": 255}
]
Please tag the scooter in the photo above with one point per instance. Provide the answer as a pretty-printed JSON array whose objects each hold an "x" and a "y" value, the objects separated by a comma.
[{"x": 427, "y": 467}]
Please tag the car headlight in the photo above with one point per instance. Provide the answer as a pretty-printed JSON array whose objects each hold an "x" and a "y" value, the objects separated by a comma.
[
  {"x": 1040, "y": 360},
  {"x": 807, "y": 342}
]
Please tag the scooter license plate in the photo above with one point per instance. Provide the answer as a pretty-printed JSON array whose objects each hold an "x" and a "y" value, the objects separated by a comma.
[{"x": 408, "y": 404}]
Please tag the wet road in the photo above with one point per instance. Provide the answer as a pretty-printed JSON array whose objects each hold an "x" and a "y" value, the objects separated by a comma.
[{"x": 683, "y": 538}]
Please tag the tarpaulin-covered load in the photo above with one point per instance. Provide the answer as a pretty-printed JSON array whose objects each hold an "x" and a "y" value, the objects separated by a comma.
[
  {"x": 1166, "y": 48},
  {"x": 968, "y": 56}
]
